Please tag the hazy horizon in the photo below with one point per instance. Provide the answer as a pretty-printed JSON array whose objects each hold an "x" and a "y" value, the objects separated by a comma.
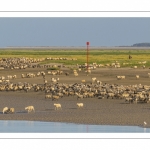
[{"x": 73, "y": 32}]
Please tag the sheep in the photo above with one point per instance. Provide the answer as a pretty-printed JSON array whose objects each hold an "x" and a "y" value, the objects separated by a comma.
[
  {"x": 120, "y": 77},
  {"x": 137, "y": 76},
  {"x": 94, "y": 79},
  {"x": 83, "y": 81},
  {"x": 57, "y": 106},
  {"x": 11, "y": 110},
  {"x": 48, "y": 96},
  {"x": 14, "y": 76},
  {"x": 5, "y": 109},
  {"x": 75, "y": 74},
  {"x": 129, "y": 99},
  {"x": 55, "y": 97},
  {"x": 79, "y": 96},
  {"x": 124, "y": 95},
  {"x": 91, "y": 94},
  {"x": 30, "y": 109},
  {"x": 80, "y": 105},
  {"x": 123, "y": 77},
  {"x": 148, "y": 75},
  {"x": 110, "y": 95},
  {"x": 22, "y": 76}
]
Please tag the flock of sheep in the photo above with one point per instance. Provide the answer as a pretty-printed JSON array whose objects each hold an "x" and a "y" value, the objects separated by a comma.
[
  {"x": 55, "y": 90},
  {"x": 7, "y": 110},
  {"x": 29, "y": 109}
]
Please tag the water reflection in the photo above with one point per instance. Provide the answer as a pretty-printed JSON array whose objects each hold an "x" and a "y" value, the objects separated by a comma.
[
  {"x": 30, "y": 123},
  {"x": 57, "y": 127}
]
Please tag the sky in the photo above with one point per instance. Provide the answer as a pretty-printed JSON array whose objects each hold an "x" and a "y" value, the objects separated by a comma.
[{"x": 73, "y": 31}]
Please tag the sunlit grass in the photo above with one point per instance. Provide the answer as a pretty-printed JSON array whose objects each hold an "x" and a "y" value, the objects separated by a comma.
[{"x": 95, "y": 56}]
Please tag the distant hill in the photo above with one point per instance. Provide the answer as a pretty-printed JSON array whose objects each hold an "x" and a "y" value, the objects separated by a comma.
[{"x": 141, "y": 45}]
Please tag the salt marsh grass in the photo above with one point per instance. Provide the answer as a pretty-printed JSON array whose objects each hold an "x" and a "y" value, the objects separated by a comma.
[{"x": 102, "y": 56}]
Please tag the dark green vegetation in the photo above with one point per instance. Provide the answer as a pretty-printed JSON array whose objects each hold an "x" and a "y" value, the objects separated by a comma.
[{"x": 142, "y": 45}]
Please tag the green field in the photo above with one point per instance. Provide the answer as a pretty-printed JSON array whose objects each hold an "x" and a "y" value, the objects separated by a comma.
[{"x": 102, "y": 56}]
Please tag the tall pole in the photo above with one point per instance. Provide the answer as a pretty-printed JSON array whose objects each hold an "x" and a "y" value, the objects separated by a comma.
[{"x": 87, "y": 55}]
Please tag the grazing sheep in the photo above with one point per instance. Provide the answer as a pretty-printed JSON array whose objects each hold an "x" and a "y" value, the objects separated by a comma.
[
  {"x": 57, "y": 106},
  {"x": 11, "y": 110},
  {"x": 5, "y": 109},
  {"x": 120, "y": 77},
  {"x": 80, "y": 105},
  {"x": 30, "y": 109}
]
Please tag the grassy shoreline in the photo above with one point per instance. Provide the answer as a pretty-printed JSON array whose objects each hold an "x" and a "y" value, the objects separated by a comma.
[{"x": 100, "y": 56}]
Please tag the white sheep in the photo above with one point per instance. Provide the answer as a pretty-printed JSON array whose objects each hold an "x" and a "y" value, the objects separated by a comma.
[
  {"x": 80, "y": 105},
  {"x": 10, "y": 110},
  {"x": 137, "y": 76},
  {"x": 55, "y": 97},
  {"x": 57, "y": 106},
  {"x": 118, "y": 77},
  {"x": 123, "y": 77},
  {"x": 94, "y": 79},
  {"x": 48, "y": 96},
  {"x": 30, "y": 108},
  {"x": 83, "y": 81},
  {"x": 5, "y": 109}
]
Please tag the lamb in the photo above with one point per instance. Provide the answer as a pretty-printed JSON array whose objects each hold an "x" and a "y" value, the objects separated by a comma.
[
  {"x": 30, "y": 109},
  {"x": 80, "y": 105},
  {"x": 5, "y": 109},
  {"x": 57, "y": 106}
]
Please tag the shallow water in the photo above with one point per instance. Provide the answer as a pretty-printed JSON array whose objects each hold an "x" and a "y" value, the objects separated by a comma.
[{"x": 57, "y": 127}]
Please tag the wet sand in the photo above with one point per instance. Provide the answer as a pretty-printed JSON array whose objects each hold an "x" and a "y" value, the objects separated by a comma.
[{"x": 95, "y": 111}]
